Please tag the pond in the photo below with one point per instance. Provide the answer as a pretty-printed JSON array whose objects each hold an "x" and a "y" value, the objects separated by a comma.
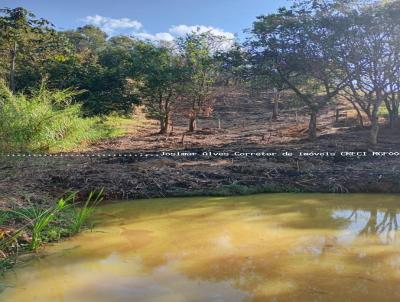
[{"x": 270, "y": 247}]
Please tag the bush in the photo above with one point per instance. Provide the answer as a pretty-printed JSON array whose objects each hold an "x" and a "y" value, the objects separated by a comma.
[{"x": 45, "y": 121}]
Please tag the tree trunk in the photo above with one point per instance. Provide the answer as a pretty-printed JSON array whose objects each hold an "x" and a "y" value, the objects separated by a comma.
[
  {"x": 192, "y": 121},
  {"x": 373, "y": 138},
  {"x": 275, "y": 111},
  {"x": 13, "y": 66},
  {"x": 394, "y": 118},
  {"x": 164, "y": 123},
  {"x": 312, "y": 127},
  {"x": 359, "y": 116},
  {"x": 163, "y": 126},
  {"x": 165, "y": 118}
]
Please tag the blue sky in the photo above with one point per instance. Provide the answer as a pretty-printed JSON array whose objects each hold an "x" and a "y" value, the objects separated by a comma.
[{"x": 153, "y": 19}]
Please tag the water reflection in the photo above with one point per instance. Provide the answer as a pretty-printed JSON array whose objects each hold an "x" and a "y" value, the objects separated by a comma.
[
  {"x": 254, "y": 249},
  {"x": 371, "y": 222}
]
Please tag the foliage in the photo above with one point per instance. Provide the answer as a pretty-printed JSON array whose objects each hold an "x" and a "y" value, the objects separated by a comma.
[
  {"x": 373, "y": 59},
  {"x": 46, "y": 120},
  {"x": 232, "y": 65},
  {"x": 299, "y": 47},
  {"x": 159, "y": 75},
  {"x": 198, "y": 53}
]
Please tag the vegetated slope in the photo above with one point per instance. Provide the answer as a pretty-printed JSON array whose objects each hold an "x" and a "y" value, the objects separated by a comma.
[{"x": 246, "y": 127}]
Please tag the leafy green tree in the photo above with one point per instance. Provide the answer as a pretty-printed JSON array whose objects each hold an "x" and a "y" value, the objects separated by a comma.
[
  {"x": 98, "y": 67},
  {"x": 88, "y": 37},
  {"x": 158, "y": 74},
  {"x": 107, "y": 80},
  {"x": 299, "y": 46},
  {"x": 24, "y": 39},
  {"x": 232, "y": 65},
  {"x": 122, "y": 42},
  {"x": 197, "y": 51}
]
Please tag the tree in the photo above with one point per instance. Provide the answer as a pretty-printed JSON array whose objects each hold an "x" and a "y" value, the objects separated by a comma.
[
  {"x": 197, "y": 51},
  {"x": 372, "y": 59},
  {"x": 108, "y": 84},
  {"x": 97, "y": 66},
  {"x": 299, "y": 45},
  {"x": 267, "y": 80},
  {"x": 88, "y": 37},
  {"x": 157, "y": 77},
  {"x": 232, "y": 65},
  {"x": 23, "y": 37}
]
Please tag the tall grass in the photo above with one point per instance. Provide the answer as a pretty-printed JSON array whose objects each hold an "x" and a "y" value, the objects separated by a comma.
[
  {"x": 83, "y": 213},
  {"x": 47, "y": 120},
  {"x": 39, "y": 218}
]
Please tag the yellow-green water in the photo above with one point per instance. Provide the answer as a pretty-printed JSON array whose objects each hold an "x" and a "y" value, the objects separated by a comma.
[{"x": 256, "y": 248}]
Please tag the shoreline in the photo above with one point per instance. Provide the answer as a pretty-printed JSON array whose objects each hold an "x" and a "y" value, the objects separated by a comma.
[{"x": 126, "y": 178}]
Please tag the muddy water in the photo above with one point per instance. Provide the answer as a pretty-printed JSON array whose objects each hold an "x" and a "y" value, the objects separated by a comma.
[{"x": 256, "y": 248}]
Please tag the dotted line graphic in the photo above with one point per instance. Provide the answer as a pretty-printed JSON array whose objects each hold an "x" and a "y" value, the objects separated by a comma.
[
  {"x": 82, "y": 155},
  {"x": 185, "y": 154}
]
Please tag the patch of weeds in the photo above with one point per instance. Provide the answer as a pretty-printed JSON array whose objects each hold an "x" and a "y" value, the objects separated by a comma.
[
  {"x": 39, "y": 218},
  {"x": 82, "y": 214},
  {"x": 38, "y": 224}
]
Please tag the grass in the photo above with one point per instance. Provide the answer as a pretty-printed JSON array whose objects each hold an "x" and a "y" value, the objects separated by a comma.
[
  {"x": 31, "y": 226},
  {"x": 123, "y": 125},
  {"x": 49, "y": 120},
  {"x": 3, "y": 218},
  {"x": 83, "y": 213},
  {"x": 39, "y": 219}
]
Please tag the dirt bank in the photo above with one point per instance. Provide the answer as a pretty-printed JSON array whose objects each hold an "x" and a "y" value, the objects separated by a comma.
[{"x": 131, "y": 176}]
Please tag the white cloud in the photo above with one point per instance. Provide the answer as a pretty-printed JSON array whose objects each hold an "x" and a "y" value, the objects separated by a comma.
[
  {"x": 181, "y": 30},
  {"x": 157, "y": 37},
  {"x": 110, "y": 25},
  {"x": 164, "y": 37}
]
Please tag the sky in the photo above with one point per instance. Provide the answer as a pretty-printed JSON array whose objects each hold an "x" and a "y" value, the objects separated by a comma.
[{"x": 152, "y": 19}]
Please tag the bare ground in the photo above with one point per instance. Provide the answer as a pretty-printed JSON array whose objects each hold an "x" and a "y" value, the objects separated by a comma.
[{"x": 245, "y": 125}]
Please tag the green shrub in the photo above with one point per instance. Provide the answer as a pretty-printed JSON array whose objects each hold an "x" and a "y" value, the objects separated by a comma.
[{"x": 45, "y": 121}]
